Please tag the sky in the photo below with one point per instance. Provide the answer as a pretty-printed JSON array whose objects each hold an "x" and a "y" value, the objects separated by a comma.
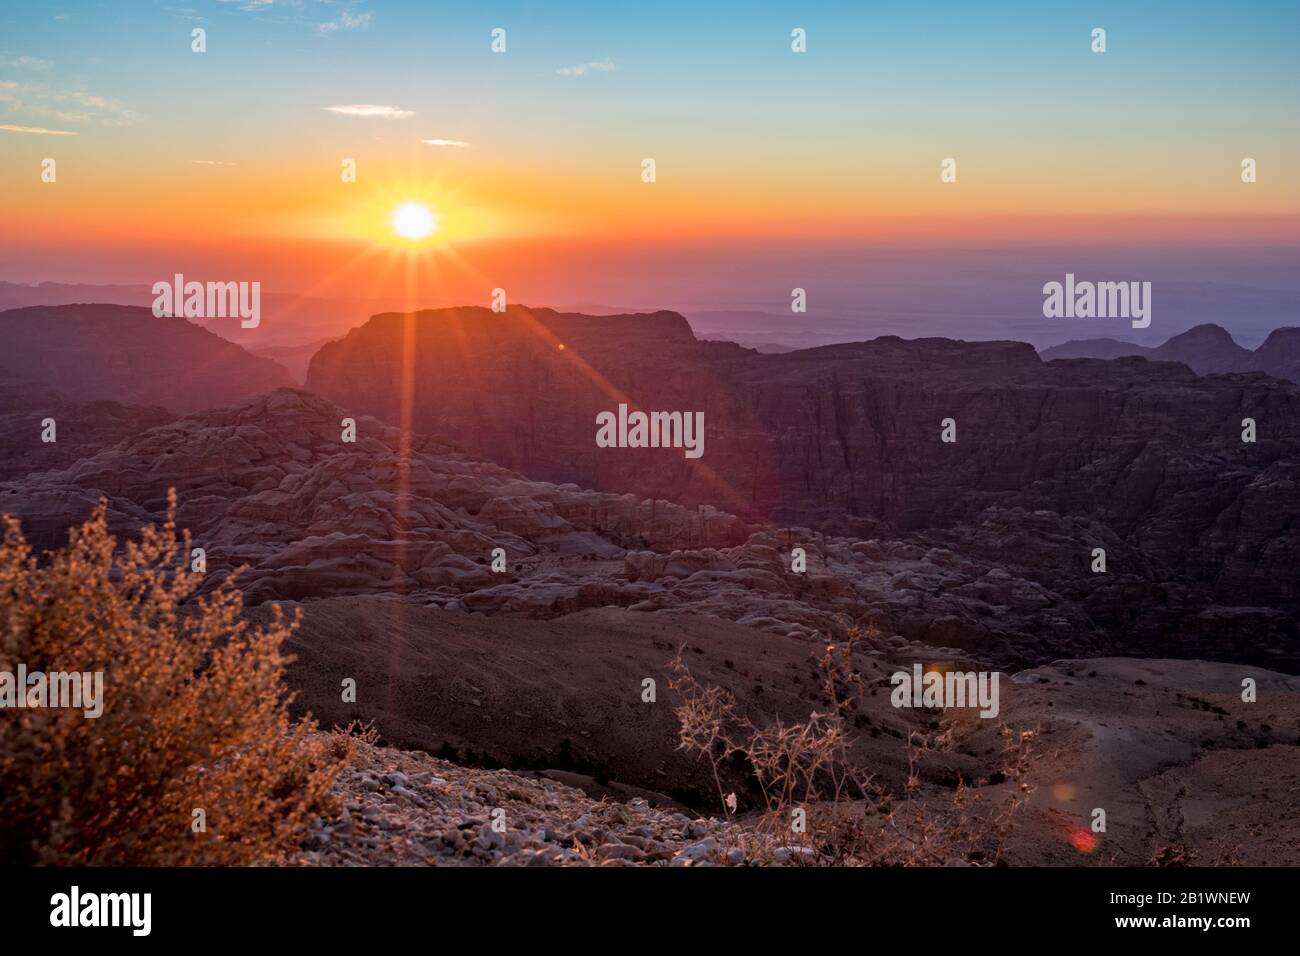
[{"x": 227, "y": 164}]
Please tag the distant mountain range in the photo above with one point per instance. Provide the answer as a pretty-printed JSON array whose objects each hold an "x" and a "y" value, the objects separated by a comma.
[
  {"x": 886, "y": 303},
  {"x": 288, "y": 321},
  {"x": 127, "y": 354},
  {"x": 1206, "y": 349}
]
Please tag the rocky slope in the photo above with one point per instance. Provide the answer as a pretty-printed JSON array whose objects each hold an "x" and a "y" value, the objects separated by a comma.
[
  {"x": 404, "y": 808},
  {"x": 80, "y": 428},
  {"x": 271, "y": 483},
  {"x": 126, "y": 354},
  {"x": 1184, "y": 770}
]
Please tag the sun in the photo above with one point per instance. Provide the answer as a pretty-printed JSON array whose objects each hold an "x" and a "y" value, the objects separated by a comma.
[{"x": 414, "y": 220}]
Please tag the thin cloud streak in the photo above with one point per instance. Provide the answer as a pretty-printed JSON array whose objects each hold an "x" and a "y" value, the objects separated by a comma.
[
  {"x": 346, "y": 22},
  {"x": 582, "y": 69},
  {"x": 25, "y": 62},
  {"x": 38, "y": 130},
  {"x": 370, "y": 110}
]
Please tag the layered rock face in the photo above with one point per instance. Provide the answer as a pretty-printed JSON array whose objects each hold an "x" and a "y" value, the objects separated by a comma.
[
  {"x": 521, "y": 388},
  {"x": 270, "y": 484},
  {"x": 847, "y": 438},
  {"x": 126, "y": 354}
]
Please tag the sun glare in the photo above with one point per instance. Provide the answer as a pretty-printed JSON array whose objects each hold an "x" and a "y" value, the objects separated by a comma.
[{"x": 413, "y": 220}]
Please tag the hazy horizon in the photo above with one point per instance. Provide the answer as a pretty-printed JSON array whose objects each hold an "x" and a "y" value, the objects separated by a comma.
[{"x": 980, "y": 294}]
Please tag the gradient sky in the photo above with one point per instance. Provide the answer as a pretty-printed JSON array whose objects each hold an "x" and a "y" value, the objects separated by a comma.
[{"x": 229, "y": 161}]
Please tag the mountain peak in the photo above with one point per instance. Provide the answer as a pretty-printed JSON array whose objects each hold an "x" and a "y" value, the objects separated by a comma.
[
  {"x": 1206, "y": 349},
  {"x": 1205, "y": 332},
  {"x": 1280, "y": 354}
]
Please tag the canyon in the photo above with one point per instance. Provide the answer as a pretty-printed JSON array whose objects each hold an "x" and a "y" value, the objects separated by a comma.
[
  {"x": 846, "y": 438},
  {"x": 975, "y": 555}
]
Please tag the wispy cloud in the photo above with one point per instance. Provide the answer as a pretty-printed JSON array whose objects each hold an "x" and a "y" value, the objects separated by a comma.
[
  {"x": 582, "y": 69},
  {"x": 211, "y": 162},
  {"x": 38, "y": 130},
  {"x": 346, "y": 21},
  {"x": 94, "y": 105},
  {"x": 445, "y": 142},
  {"x": 370, "y": 109},
  {"x": 67, "y": 106},
  {"x": 24, "y": 62}
]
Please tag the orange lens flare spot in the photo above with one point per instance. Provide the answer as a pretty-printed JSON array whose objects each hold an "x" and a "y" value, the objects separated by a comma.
[
  {"x": 1063, "y": 792},
  {"x": 1083, "y": 840}
]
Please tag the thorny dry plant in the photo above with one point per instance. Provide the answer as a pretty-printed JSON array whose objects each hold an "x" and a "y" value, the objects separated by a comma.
[{"x": 849, "y": 818}]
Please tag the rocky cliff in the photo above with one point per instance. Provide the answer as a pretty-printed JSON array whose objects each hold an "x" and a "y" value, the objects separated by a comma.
[{"x": 847, "y": 438}]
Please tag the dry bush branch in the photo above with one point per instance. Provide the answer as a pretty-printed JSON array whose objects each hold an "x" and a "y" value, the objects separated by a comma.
[
  {"x": 194, "y": 717},
  {"x": 850, "y": 819}
]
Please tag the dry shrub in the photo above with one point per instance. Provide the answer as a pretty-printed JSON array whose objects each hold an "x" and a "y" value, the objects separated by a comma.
[
  {"x": 851, "y": 820},
  {"x": 343, "y": 740},
  {"x": 195, "y": 712}
]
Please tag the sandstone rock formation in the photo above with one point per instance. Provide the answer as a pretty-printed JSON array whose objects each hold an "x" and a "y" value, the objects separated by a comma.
[
  {"x": 269, "y": 484},
  {"x": 845, "y": 439}
]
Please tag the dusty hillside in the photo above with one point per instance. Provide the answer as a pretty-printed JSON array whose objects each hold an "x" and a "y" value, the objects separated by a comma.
[{"x": 1185, "y": 772}]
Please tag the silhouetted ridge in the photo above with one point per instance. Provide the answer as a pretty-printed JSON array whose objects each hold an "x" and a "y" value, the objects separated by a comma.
[{"x": 1206, "y": 349}]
